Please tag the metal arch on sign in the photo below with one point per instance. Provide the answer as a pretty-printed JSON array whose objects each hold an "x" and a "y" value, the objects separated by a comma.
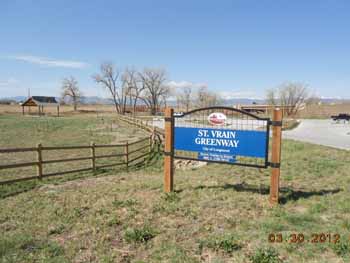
[{"x": 222, "y": 108}]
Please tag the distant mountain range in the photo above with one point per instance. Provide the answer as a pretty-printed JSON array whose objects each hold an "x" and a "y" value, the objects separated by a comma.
[
  {"x": 226, "y": 102},
  {"x": 84, "y": 99},
  {"x": 244, "y": 101},
  {"x": 16, "y": 99}
]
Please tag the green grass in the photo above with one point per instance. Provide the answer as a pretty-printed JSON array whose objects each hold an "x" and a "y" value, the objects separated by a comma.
[
  {"x": 218, "y": 213},
  {"x": 23, "y": 247}
]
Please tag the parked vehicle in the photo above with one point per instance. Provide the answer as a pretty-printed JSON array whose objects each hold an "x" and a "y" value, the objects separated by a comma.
[
  {"x": 341, "y": 116},
  {"x": 178, "y": 113}
]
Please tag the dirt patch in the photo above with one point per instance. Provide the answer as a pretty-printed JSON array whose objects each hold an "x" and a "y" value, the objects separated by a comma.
[
  {"x": 300, "y": 209},
  {"x": 85, "y": 182},
  {"x": 188, "y": 164}
]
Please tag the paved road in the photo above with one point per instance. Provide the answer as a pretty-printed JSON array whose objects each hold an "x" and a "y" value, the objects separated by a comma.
[
  {"x": 323, "y": 132},
  {"x": 158, "y": 122}
]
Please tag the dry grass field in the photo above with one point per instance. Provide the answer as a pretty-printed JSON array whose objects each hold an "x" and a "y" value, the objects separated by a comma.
[
  {"x": 218, "y": 213},
  {"x": 323, "y": 111},
  {"x": 65, "y": 110},
  {"x": 311, "y": 111}
]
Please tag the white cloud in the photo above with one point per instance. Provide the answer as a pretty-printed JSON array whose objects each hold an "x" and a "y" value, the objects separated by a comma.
[
  {"x": 8, "y": 83},
  {"x": 51, "y": 62},
  {"x": 184, "y": 84},
  {"x": 222, "y": 93},
  {"x": 238, "y": 95}
]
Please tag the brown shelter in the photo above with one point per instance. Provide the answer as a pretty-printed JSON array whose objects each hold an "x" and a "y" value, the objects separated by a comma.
[{"x": 41, "y": 102}]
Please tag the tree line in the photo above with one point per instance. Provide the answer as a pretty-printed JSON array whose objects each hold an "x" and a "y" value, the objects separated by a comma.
[
  {"x": 295, "y": 95},
  {"x": 129, "y": 87}
]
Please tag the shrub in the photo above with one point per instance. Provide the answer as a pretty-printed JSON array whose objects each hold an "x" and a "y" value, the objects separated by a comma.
[
  {"x": 52, "y": 249},
  {"x": 227, "y": 243},
  {"x": 114, "y": 221},
  {"x": 56, "y": 229},
  {"x": 122, "y": 203},
  {"x": 341, "y": 248},
  {"x": 171, "y": 197},
  {"x": 265, "y": 255},
  {"x": 139, "y": 235}
]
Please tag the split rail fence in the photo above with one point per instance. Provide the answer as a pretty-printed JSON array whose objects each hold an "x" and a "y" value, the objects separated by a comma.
[
  {"x": 157, "y": 134},
  {"x": 129, "y": 154},
  {"x": 142, "y": 124}
]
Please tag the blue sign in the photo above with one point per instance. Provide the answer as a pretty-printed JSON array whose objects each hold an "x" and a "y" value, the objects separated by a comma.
[{"x": 221, "y": 144}]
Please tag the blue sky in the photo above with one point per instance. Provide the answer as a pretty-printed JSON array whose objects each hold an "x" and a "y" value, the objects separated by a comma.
[{"x": 238, "y": 48}]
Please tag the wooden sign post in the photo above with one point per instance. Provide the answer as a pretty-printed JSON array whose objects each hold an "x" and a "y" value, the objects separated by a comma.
[
  {"x": 276, "y": 156},
  {"x": 168, "y": 151}
]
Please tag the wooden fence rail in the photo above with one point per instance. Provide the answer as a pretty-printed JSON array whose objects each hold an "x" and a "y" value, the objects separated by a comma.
[
  {"x": 40, "y": 162},
  {"x": 143, "y": 124},
  {"x": 158, "y": 133}
]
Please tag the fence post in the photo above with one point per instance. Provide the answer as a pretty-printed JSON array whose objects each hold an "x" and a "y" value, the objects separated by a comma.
[
  {"x": 276, "y": 155},
  {"x": 168, "y": 151},
  {"x": 154, "y": 138},
  {"x": 93, "y": 157},
  {"x": 40, "y": 161},
  {"x": 150, "y": 143},
  {"x": 126, "y": 152}
]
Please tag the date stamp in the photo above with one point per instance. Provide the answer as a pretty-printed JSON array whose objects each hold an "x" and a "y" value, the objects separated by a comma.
[{"x": 300, "y": 238}]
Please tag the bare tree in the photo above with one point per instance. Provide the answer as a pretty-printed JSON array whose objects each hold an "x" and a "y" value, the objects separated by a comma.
[
  {"x": 313, "y": 100},
  {"x": 155, "y": 91},
  {"x": 163, "y": 100},
  {"x": 293, "y": 95},
  {"x": 213, "y": 99},
  {"x": 206, "y": 98},
  {"x": 70, "y": 89},
  {"x": 290, "y": 94},
  {"x": 110, "y": 78},
  {"x": 271, "y": 97},
  {"x": 134, "y": 86},
  {"x": 184, "y": 97},
  {"x": 201, "y": 96}
]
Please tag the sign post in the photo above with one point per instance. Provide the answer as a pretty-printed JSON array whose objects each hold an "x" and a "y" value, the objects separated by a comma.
[
  {"x": 275, "y": 156},
  {"x": 168, "y": 151}
]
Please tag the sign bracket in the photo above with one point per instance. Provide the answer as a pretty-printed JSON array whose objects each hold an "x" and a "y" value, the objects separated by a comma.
[
  {"x": 274, "y": 165},
  {"x": 275, "y": 123}
]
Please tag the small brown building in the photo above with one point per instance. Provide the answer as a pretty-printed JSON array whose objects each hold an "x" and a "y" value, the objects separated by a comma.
[
  {"x": 41, "y": 102},
  {"x": 266, "y": 109}
]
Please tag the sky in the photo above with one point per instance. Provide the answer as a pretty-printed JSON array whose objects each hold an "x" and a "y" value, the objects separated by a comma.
[{"x": 239, "y": 49}]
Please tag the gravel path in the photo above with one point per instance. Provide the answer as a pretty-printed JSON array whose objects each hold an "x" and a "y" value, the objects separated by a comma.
[{"x": 323, "y": 132}]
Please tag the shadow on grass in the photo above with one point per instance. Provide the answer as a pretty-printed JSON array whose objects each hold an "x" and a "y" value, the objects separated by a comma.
[
  {"x": 13, "y": 189},
  {"x": 286, "y": 193}
]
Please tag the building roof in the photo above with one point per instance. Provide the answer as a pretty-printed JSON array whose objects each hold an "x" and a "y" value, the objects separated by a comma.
[
  {"x": 44, "y": 99},
  {"x": 40, "y": 100}
]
